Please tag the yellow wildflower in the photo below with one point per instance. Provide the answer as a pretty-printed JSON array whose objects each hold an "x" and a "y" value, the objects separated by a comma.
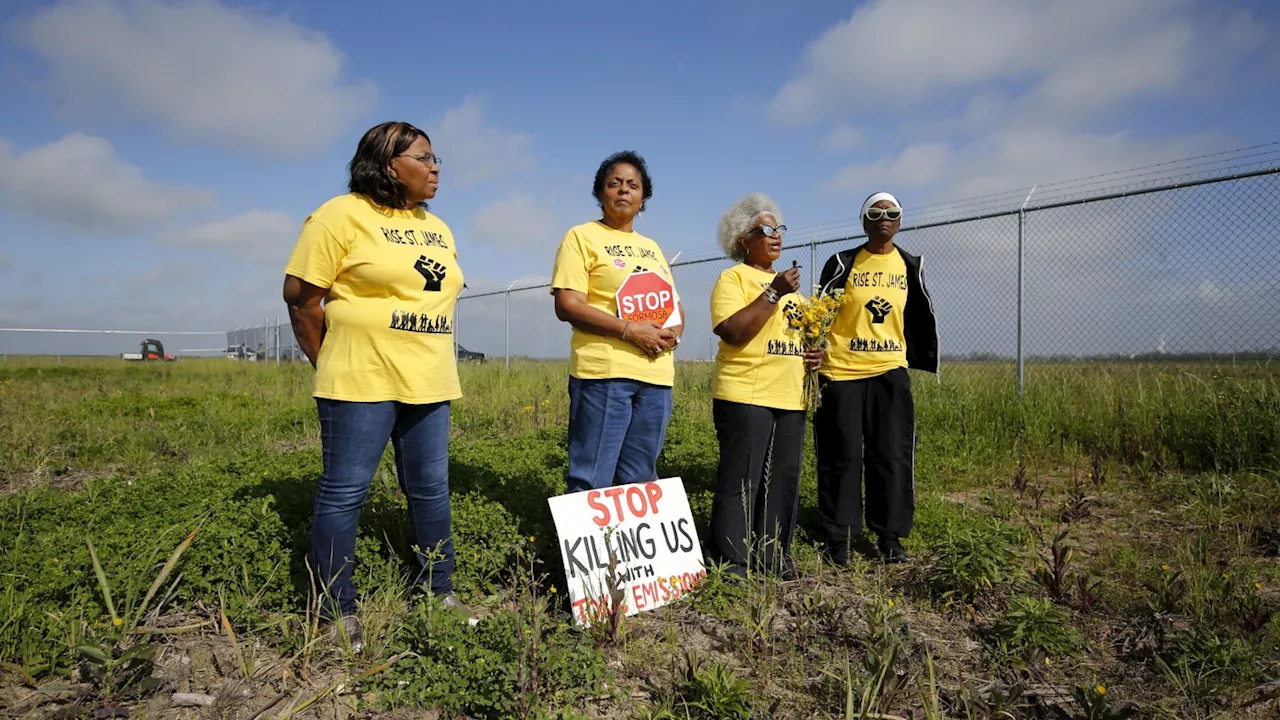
[
  {"x": 1101, "y": 689},
  {"x": 117, "y": 622}
]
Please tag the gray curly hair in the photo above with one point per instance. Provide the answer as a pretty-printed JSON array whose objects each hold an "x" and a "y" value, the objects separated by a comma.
[{"x": 741, "y": 218}]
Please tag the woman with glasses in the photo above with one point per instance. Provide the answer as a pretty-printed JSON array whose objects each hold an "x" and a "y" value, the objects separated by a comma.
[
  {"x": 864, "y": 429},
  {"x": 758, "y": 398},
  {"x": 371, "y": 286},
  {"x": 620, "y": 366}
]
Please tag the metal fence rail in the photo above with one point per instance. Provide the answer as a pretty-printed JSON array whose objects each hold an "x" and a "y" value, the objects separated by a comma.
[{"x": 62, "y": 342}]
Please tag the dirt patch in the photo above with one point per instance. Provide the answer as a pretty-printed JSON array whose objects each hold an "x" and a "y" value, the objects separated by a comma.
[{"x": 72, "y": 481}]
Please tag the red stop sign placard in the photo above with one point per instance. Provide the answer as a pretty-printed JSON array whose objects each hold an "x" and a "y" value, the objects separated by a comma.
[{"x": 646, "y": 296}]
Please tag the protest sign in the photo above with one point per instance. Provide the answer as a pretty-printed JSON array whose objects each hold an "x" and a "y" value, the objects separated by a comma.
[
  {"x": 647, "y": 297},
  {"x": 644, "y": 531}
]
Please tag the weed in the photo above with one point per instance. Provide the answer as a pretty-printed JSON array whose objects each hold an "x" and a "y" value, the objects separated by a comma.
[
  {"x": 1054, "y": 571},
  {"x": 1203, "y": 661},
  {"x": 472, "y": 670},
  {"x": 1095, "y": 704},
  {"x": 1166, "y": 592},
  {"x": 1078, "y": 504},
  {"x": 971, "y": 563},
  {"x": 1032, "y": 631},
  {"x": 993, "y": 700},
  {"x": 758, "y": 612},
  {"x": 714, "y": 692}
]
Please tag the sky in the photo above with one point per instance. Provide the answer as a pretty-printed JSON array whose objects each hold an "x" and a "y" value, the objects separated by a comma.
[{"x": 157, "y": 157}]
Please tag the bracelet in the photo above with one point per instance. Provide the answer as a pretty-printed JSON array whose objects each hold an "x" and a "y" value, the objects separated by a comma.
[
  {"x": 624, "y": 329},
  {"x": 771, "y": 295}
]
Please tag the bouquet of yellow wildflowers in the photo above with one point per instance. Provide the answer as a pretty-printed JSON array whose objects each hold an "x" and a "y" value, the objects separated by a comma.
[{"x": 812, "y": 321}]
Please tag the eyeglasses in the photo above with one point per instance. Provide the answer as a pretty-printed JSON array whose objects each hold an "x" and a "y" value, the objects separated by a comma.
[
  {"x": 771, "y": 231},
  {"x": 427, "y": 159},
  {"x": 875, "y": 213}
]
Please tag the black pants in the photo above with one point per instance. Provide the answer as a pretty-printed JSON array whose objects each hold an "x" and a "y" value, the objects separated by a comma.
[
  {"x": 753, "y": 516},
  {"x": 866, "y": 428}
]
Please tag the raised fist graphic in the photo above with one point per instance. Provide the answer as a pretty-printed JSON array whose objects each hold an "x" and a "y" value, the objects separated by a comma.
[
  {"x": 879, "y": 308},
  {"x": 432, "y": 271},
  {"x": 792, "y": 313}
]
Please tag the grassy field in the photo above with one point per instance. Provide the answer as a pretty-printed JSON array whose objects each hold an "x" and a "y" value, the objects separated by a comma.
[{"x": 1105, "y": 547}]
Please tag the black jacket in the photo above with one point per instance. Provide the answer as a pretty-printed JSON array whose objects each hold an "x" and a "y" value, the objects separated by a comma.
[{"x": 919, "y": 324}]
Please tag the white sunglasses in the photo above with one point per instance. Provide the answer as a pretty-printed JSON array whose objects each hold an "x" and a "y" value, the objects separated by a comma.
[{"x": 875, "y": 213}]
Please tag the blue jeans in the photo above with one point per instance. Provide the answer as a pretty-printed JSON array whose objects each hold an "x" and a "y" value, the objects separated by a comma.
[
  {"x": 616, "y": 431},
  {"x": 353, "y": 436}
]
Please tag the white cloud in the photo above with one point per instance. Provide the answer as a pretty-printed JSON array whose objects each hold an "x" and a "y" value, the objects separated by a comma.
[
  {"x": 515, "y": 222},
  {"x": 264, "y": 235},
  {"x": 200, "y": 69},
  {"x": 474, "y": 151},
  {"x": 844, "y": 137},
  {"x": 892, "y": 55},
  {"x": 917, "y": 166},
  {"x": 79, "y": 181}
]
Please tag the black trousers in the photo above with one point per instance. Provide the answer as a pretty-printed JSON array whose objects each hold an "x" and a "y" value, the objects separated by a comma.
[
  {"x": 753, "y": 515},
  {"x": 866, "y": 429}
]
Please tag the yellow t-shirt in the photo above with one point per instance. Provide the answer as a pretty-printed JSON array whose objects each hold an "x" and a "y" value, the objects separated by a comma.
[
  {"x": 769, "y": 370},
  {"x": 393, "y": 279},
  {"x": 594, "y": 259},
  {"x": 867, "y": 338}
]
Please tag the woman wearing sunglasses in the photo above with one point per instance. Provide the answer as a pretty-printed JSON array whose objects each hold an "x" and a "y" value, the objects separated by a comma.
[
  {"x": 864, "y": 429},
  {"x": 758, "y": 400}
]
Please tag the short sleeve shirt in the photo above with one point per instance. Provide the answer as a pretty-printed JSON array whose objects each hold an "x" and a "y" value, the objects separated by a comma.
[
  {"x": 393, "y": 280},
  {"x": 594, "y": 259},
  {"x": 768, "y": 370}
]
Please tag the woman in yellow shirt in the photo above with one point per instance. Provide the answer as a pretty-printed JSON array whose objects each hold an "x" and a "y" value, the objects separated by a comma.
[
  {"x": 386, "y": 271},
  {"x": 865, "y": 429},
  {"x": 758, "y": 401},
  {"x": 614, "y": 287}
]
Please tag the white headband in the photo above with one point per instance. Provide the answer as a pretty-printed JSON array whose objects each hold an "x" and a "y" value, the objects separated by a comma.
[{"x": 877, "y": 198}]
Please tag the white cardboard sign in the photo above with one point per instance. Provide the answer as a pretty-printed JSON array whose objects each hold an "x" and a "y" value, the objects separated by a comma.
[{"x": 646, "y": 527}]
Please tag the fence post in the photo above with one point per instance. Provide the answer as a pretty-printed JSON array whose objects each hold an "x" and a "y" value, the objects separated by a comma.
[
  {"x": 813, "y": 264},
  {"x": 1022, "y": 212},
  {"x": 508, "y": 331}
]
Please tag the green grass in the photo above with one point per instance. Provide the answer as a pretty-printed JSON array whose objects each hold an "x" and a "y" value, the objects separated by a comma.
[{"x": 1147, "y": 466}]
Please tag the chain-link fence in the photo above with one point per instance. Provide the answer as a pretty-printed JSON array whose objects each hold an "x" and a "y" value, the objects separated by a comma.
[
  {"x": 1144, "y": 266},
  {"x": 1174, "y": 261}
]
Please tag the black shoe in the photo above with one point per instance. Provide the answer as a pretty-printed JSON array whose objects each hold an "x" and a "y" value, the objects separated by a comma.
[
  {"x": 891, "y": 550},
  {"x": 838, "y": 554},
  {"x": 787, "y": 569}
]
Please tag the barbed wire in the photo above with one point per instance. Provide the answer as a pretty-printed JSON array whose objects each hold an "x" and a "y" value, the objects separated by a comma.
[{"x": 1223, "y": 165}]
